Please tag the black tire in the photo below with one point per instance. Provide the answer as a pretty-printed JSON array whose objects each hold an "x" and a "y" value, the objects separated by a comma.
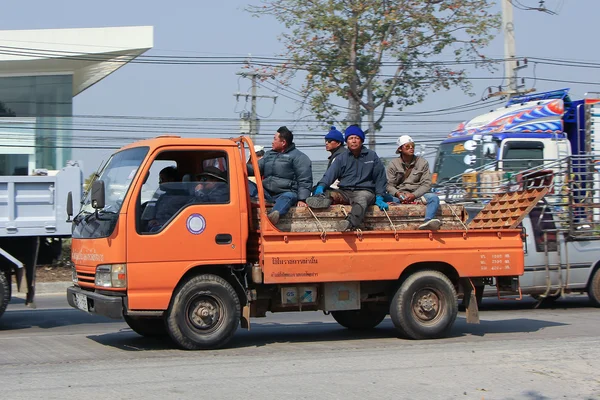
[
  {"x": 147, "y": 326},
  {"x": 424, "y": 306},
  {"x": 220, "y": 305},
  {"x": 5, "y": 290},
  {"x": 368, "y": 317},
  {"x": 594, "y": 288}
]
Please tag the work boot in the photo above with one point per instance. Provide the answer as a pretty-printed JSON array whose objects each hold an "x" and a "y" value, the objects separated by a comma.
[
  {"x": 273, "y": 217},
  {"x": 431, "y": 225},
  {"x": 344, "y": 225},
  {"x": 318, "y": 202}
]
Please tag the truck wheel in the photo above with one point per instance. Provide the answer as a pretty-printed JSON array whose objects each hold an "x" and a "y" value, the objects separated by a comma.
[
  {"x": 425, "y": 306},
  {"x": 4, "y": 290},
  {"x": 367, "y": 317},
  {"x": 594, "y": 288},
  {"x": 146, "y": 326},
  {"x": 204, "y": 313}
]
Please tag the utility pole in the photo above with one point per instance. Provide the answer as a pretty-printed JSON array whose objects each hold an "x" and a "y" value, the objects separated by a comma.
[
  {"x": 511, "y": 64},
  {"x": 253, "y": 127}
]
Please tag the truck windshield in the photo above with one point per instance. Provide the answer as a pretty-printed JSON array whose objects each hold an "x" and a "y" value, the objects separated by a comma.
[
  {"x": 117, "y": 174},
  {"x": 456, "y": 158}
]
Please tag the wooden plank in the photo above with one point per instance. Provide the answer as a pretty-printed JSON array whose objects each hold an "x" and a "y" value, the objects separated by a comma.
[{"x": 403, "y": 216}]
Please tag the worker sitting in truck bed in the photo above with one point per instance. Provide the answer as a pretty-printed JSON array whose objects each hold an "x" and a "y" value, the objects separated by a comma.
[
  {"x": 212, "y": 186},
  {"x": 409, "y": 180},
  {"x": 286, "y": 174},
  {"x": 361, "y": 177}
]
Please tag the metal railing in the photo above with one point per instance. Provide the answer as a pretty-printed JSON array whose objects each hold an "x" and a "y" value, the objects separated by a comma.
[{"x": 573, "y": 199}]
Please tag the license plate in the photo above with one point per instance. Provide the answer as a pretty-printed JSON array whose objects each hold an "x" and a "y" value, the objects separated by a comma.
[{"x": 81, "y": 302}]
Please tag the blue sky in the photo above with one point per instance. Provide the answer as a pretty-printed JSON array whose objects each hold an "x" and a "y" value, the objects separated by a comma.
[{"x": 200, "y": 28}]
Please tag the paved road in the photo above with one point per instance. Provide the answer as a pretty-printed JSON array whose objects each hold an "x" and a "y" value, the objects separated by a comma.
[{"x": 517, "y": 352}]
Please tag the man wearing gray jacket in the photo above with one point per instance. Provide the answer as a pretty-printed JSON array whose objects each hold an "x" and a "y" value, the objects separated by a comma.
[
  {"x": 409, "y": 179},
  {"x": 286, "y": 174}
]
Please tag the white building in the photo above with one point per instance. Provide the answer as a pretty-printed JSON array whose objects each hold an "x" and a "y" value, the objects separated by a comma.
[{"x": 40, "y": 73}]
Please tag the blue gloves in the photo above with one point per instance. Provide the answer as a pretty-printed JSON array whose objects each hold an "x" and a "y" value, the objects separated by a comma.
[
  {"x": 318, "y": 191},
  {"x": 381, "y": 204}
]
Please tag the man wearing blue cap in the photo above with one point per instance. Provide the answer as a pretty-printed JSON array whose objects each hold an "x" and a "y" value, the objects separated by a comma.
[
  {"x": 361, "y": 176},
  {"x": 334, "y": 143}
]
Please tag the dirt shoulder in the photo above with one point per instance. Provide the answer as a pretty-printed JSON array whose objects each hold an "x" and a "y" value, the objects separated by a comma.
[{"x": 53, "y": 273}]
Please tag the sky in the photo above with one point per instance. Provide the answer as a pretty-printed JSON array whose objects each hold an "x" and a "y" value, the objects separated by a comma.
[{"x": 203, "y": 28}]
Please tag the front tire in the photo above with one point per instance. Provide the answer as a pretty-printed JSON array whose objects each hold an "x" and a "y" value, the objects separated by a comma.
[
  {"x": 424, "y": 306},
  {"x": 147, "y": 326},
  {"x": 5, "y": 290},
  {"x": 594, "y": 288},
  {"x": 204, "y": 313},
  {"x": 368, "y": 317}
]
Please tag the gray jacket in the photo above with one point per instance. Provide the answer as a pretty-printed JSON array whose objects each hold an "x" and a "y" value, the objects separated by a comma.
[
  {"x": 289, "y": 171},
  {"x": 417, "y": 183}
]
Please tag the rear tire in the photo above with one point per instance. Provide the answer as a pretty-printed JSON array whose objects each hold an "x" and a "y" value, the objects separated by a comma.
[
  {"x": 204, "y": 313},
  {"x": 368, "y": 317},
  {"x": 147, "y": 326},
  {"x": 425, "y": 306},
  {"x": 5, "y": 290},
  {"x": 594, "y": 288}
]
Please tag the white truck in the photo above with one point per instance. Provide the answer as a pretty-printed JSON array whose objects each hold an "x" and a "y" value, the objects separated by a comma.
[
  {"x": 33, "y": 222},
  {"x": 536, "y": 134}
]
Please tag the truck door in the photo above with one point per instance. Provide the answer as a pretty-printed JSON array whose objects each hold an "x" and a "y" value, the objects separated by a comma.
[{"x": 186, "y": 216}]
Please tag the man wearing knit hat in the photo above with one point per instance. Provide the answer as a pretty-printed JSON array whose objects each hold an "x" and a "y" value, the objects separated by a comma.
[
  {"x": 409, "y": 179},
  {"x": 361, "y": 177},
  {"x": 334, "y": 143}
]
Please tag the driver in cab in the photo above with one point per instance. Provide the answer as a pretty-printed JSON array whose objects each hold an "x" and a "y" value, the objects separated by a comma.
[{"x": 173, "y": 197}]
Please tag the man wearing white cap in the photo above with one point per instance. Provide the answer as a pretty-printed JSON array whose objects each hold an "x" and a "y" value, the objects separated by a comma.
[{"x": 409, "y": 179}]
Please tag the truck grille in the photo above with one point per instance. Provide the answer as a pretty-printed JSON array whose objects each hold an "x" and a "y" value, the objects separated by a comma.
[{"x": 86, "y": 277}]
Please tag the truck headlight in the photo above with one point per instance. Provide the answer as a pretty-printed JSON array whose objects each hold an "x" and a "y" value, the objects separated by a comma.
[{"x": 111, "y": 276}]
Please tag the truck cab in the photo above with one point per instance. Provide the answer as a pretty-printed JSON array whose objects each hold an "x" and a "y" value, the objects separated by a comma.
[
  {"x": 145, "y": 223},
  {"x": 529, "y": 131}
]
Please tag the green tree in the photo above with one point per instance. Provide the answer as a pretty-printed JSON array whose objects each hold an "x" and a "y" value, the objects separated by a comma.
[{"x": 378, "y": 54}]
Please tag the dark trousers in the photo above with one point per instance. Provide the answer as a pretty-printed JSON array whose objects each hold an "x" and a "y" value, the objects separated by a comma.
[{"x": 359, "y": 200}]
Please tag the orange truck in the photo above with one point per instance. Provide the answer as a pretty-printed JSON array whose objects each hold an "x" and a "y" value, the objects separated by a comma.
[{"x": 210, "y": 265}]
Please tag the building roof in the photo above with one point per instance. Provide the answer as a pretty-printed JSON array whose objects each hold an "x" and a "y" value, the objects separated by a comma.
[{"x": 89, "y": 54}]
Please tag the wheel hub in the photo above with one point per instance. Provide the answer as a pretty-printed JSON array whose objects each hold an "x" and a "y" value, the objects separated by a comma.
[
  {"x": 205, "y": 314},
  {"x": 426, "y": 305}
]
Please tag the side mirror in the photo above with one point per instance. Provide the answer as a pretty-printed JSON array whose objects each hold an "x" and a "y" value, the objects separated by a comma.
[
  {"x": 97, "y": 196},
  {"x": 69, "y": 206}
]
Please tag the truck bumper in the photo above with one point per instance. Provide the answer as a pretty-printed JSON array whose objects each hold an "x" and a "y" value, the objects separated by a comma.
[{"x": 94, "y": 303}]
